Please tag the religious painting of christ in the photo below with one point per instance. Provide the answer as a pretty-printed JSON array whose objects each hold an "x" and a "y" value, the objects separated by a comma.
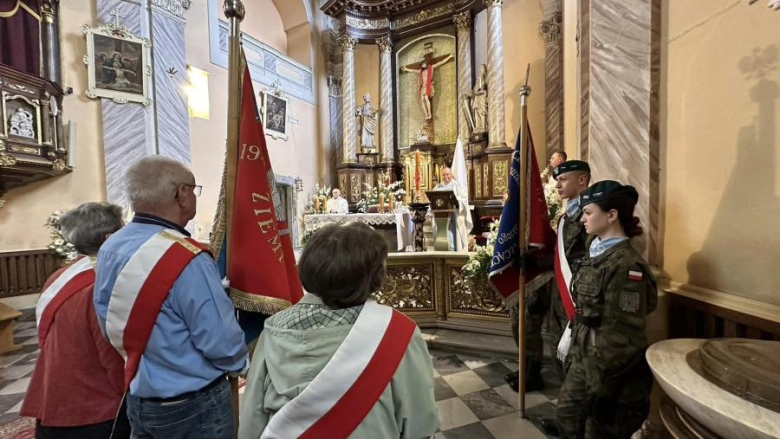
[
  {"x": 117, "y": 64},
  {"x": 426, "y": 81}
]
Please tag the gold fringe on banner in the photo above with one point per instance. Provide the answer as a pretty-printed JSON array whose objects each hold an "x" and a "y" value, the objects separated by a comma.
[
  {"x": 257, "y": 303},
  {"x": 15, "y": 9}
]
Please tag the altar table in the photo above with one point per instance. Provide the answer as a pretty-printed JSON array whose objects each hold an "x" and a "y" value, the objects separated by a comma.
[{"x": 402, "y": 220}]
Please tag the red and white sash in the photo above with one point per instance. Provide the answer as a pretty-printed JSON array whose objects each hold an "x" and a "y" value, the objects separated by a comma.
[
  {"x": 563, "y": 280},
  {"x": 75, "y": 278},
  {"x": 140, "y": 290},
  {"x": 343, "y": 393}
]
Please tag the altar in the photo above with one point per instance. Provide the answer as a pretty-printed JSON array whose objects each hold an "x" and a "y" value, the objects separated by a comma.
[{"x": 397, "y": 227}]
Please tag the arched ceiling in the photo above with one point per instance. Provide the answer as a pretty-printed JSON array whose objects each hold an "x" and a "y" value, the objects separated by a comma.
[{"x": 293, "y": 12}]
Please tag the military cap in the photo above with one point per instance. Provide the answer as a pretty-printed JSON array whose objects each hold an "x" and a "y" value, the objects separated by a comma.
[
  {"x": 607, "y": 190},
  {"x": 569, "y": 166}
]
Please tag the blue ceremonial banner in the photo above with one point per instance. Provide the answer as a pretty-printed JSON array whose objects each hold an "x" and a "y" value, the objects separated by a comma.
[{"x": 506, "y": 262}]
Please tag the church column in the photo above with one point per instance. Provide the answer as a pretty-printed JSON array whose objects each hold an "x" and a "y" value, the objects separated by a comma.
[
  {"x": 386, "y": 120},
  {"x": 463, "y": 24},
  {"x": 619, "y": 101},
  {"x": 553, "y": 74},
  {"x": 495, "y": 73},
  {"x": 348, "y": 98},
  {"x": 50, "y": 40}
]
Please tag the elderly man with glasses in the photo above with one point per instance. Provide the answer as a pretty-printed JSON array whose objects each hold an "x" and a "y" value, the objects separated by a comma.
[{"x": 160, "y": 303}]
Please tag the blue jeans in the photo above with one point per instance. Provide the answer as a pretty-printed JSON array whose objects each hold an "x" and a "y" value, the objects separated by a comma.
[{"x": 206, "y": 414}]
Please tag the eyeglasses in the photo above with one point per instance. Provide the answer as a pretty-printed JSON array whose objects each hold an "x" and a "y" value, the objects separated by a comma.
[{"x": 196, "y": 188}]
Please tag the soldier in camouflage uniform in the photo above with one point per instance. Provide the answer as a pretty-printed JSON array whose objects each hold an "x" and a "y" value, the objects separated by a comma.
[
  {"x": 606, "y": 393},
  {"x": 572, "y": 178}
]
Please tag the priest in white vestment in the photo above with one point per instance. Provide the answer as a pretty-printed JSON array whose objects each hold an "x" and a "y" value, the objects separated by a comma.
[
  {"x": 461, "y": 222},
  {"x": 337, "y": 204}
]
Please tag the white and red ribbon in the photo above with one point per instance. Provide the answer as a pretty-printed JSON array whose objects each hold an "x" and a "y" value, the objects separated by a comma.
[
  {"x": 140, "y": 290},
  {"x": 563, "y": 277},
  {"x": 343, "y": 393},
  {"x": 74, "y": 279}
]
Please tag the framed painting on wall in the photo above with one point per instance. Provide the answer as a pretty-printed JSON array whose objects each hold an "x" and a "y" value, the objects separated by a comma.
[
  {"x": 118, "y": 64},
  {"x": 275, "y": 115}
]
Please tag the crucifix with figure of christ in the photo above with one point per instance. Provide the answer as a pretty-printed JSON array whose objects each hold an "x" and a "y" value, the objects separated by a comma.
[{"x": 425, "y": 69}]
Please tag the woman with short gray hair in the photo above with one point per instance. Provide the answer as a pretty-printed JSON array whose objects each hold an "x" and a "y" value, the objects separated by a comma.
[{"x": 77, "y": 387}]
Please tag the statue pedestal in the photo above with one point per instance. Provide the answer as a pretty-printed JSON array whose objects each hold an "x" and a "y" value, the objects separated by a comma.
[
  {"x": 677, "y": 367},
  {"x": 368, "y": 158}
]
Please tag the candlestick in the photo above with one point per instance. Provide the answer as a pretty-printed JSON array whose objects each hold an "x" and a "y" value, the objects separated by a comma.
[
  {"x": 316, "y": 204},
  {"x": 392, "y": 201},
  {"x": 324, "y": 204},
  {"x": 381, "y": 203}
]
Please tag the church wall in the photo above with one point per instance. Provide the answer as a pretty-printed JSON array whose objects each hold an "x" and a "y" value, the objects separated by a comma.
[
  {"x": 523, "y": 44},
  {"x": 27, "y": 208},
  {"x": 297, "y": 156},
  {"x": 367, "y": 81},
  {"x": 719, "y": 136},
  {"x": 571, "y": 105}
]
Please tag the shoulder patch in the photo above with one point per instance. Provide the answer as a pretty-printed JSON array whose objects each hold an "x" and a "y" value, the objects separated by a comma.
[
  {"x": 635, "y": 275},
  {"x": 629, "y": 301}
]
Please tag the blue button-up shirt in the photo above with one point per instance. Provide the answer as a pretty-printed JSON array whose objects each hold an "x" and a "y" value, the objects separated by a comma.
[
  {"x": 599, "y": 246},
  {"x": 196, "y": 337},
  {"x": 571, "y": 206}
]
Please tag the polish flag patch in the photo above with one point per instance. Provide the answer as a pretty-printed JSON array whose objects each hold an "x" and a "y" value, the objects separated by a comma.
[{"x": 635, "y": 275}]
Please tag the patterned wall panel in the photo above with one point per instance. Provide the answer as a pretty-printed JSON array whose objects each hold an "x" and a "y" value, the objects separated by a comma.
[
  {"x": 409, "y": 288},
  {"x": 472, "y": 298}
]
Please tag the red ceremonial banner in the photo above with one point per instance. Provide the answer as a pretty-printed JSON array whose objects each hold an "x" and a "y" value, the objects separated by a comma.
[{"x": 261, "y": 263}]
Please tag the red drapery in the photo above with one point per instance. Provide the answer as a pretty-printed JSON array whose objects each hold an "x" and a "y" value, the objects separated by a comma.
[{"x": 20, "y": 38}]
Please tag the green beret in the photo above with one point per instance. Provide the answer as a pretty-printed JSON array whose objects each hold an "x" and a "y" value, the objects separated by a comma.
[
  {"x": 607, "y": 190},
  {"x": 569, "y": 166}
]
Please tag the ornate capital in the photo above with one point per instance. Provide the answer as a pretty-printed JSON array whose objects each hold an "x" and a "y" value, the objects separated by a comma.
[
  {"x": 462, "y": 21},
  {"x": 347, "y": 43},
  {"x": 47, "y": 11},
  {"x": 551, "y": 29},
  {"x": 234, "y": 8},
  {"x": 385, "y": 44},
  {"x": 491, "y": 3}
]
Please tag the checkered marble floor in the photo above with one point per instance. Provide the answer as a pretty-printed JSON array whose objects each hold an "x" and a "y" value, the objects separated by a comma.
[
  {"x": 17, "y": 367},
  {"x": 474, "y": 400}
]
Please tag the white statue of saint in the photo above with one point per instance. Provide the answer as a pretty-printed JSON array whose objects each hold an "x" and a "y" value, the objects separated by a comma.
[
  {"x": 21, "y": 122},
  {"x": 368, "y": 118},
  {"x": 479, "y": 101},
  {"x": 337, "y": 204}
]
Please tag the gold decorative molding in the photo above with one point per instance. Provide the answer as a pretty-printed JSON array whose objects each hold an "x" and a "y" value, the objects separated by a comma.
[
  {"x": 25, "y": 149},
  {"x": 385, "y": 44},
  {"x": 7, "y": 160},
  {"x": 478, "y": 181},
  {"x": 491, "y": 3},
  {"x": 408, "y": 288},
  {"x": 462, "y": 21},
  {"x": 473, "y": 297},
  {"x": 347, "y": 43},
  {"x": 364, "y": 23},
  {"x": 343, "y": 181},
  {"x": 485, "y": 180},
  {"x": 354, "y": 187},
  {"x": 58, "y": 165},
  {"x": 499, "y": 178},
  {"x": 423, "y": 15}
]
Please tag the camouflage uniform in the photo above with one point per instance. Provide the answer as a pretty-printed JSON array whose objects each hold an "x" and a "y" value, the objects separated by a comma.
[
  {"x": 547, "y": 298},
  {"x": 607, "y": 389}
]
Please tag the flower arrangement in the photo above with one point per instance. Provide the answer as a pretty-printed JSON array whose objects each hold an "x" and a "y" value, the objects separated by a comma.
[
  {"x": 554, "y": 207},
  {"x": 478, "y": 265},
  {"x": 372, "y": 194},
  {"x": 318, "y": 200},
  {"x": 307, "y": 234},
  {"x": 63, "y": 248}
]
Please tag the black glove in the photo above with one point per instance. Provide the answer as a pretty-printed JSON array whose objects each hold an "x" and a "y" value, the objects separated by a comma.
[{"x": 601, "y": 407}]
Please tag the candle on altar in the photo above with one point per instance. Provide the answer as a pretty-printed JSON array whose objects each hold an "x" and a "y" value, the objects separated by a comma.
[
  {"x": 381, "y": 203},
  {"x": 392, "y": 201},
  {"x": 316, "y": 204},
  {"x": 417, "y": 176},
  {"x": 324, "y": 204}
]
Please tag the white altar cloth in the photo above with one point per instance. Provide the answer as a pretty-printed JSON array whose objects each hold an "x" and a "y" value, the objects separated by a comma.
[{"x": 404, "y": 226}]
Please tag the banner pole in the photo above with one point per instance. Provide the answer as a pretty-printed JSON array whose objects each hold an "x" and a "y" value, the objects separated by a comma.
[
  {"x": 525, "y": 91},
  {"x": 234, "y": 12}
]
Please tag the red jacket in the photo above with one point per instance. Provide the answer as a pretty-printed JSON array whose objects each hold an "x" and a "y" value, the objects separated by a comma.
[{"x": 78, "y": 376}]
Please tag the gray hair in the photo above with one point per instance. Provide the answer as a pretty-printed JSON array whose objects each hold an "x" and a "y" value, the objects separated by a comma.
[
  {"x": 153, "y": 181},
  {"x": 88, "y": 225}
]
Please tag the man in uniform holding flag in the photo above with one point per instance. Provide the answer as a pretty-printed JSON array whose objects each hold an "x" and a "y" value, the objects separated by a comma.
[{"x": 160, "y": 303}]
